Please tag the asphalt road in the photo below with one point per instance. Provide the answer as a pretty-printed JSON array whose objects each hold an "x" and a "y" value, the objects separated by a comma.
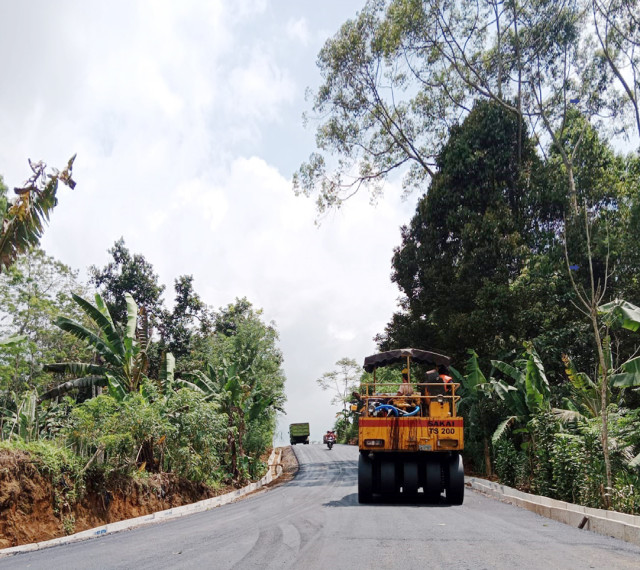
[{"x": 315, "y": 521}]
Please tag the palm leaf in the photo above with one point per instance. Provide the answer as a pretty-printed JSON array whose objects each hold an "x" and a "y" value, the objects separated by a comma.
[
  {"x": 567, "y": 416},
  {"x": 117, "y": 388},
  {"x": 536, "y": 376},
  {"x": 502, "y": 389},
  {"x": 168, "y": 370},
  {"x": 132, "y": 316},
  {"x": 24, "y": 221},
  {"x": 102, "y": 307},
  {"x": 579, "y": 380}
]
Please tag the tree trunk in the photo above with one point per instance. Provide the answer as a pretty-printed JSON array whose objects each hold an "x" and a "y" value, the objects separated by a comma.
[
  {"x": 487, "y": 458},
  {"x": 603, "y": 404}
]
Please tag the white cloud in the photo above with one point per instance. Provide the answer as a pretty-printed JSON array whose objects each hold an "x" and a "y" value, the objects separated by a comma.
[
  {"x": 259, "y": 87},
  {"x": 298, "y": 29},
  {"x": 182, "y": 115}
]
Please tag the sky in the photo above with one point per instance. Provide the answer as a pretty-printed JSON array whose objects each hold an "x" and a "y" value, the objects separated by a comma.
[{"x": 186, "y": 118}]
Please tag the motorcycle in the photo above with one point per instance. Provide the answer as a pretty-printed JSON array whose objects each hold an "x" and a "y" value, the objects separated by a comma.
[{"x": 330, "y": 439}]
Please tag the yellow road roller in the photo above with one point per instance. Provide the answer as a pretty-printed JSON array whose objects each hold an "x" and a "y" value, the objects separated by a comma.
[{"x": 410, "y": 436}]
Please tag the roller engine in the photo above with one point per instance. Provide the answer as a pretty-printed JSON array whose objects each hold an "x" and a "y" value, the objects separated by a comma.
[{"x": 410, "y": 436}]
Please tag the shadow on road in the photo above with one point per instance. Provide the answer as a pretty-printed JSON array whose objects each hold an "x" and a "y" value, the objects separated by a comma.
[{"x": 351, "y": 500}]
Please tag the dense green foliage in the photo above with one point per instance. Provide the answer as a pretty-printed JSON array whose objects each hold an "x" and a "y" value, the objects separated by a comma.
[
  {"x": 503, "y": 116},
  {"x": 92, "y": 390}
]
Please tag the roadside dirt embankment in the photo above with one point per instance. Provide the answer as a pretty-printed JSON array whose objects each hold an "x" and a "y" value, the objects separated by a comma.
[{"x": 33, "y": 509}]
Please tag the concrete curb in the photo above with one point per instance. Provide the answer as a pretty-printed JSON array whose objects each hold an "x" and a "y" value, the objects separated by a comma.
[
  {"x": 275, "y": 470},
  {"x": 609, "y": 523}
]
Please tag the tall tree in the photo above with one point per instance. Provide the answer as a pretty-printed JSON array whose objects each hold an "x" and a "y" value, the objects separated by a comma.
[
  {"x": 128, "y": 273},
  {"x": 188, "y": 316},
  {"x": 617, "y": 27},
  {"x": 469, "y": 240},
  {"x": 402, "y": 71}
]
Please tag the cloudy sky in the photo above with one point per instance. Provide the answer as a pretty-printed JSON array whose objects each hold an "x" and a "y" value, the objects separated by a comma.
[{"x": 186, "y": 119}]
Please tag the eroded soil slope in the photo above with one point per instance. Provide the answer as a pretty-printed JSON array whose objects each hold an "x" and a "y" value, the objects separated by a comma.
[{"x": 33, "y": 509}]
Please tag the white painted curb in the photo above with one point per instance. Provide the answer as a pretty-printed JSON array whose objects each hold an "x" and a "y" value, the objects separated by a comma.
[
  {"x": 609, "y": 523},
  {"x": 274, "y": 471}
]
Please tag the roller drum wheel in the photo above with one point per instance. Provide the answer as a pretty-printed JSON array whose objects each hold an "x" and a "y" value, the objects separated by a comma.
[
  {"x": 365, "y": 480},
  {"x": 455, "y": 481},
  {"x": 388, "y": 477},
  {"x": 433, "y": 481},
  {"x": 410, "y": 481}
]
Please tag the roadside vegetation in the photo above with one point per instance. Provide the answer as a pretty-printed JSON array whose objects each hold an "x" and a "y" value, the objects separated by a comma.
[
  {"x": 516, "y": 124},
  {"x": 101, "y": 382}
]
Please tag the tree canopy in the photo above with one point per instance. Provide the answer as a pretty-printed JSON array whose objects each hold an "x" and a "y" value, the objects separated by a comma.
[{"x": 402, "y": 72}]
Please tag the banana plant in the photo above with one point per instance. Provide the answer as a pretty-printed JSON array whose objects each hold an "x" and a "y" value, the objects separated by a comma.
[
  {"x": 24, "y": 422},
  {"x": 122, "y": 355},
  {"x": 240, "y": 401},
  {"x": 527, "y": 396},
  {"x": 627, "y": 316},
  {"x": 23, "y": 224},
  {"x": 475, "y": 392},
  {"x": 586, "y": 394}
]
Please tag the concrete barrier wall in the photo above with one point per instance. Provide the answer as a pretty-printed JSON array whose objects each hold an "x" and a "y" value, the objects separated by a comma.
[
  {"x": 610, "y": 523},
  {"x": 273, "y": 472}
]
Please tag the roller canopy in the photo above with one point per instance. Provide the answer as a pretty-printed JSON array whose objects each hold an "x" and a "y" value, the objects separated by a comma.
[{"x": 392, "y": 356}]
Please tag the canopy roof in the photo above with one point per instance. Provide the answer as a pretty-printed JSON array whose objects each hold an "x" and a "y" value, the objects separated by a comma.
[{"x": 393, "y": 356}]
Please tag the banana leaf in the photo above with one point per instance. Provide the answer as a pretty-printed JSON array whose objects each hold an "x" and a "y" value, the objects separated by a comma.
[
  {"x": 510, "y": 371},
  {"x": 76, "y": 368},
  {"x": 631, "y": 375},
  {"x": 104, "y": 322},
  {"x": 502, "y": 428},
  {"x": 474, "y": 375},
  {"x": 84, "y": 334},
  {"x": 625, "y": 314},
  {"x": 12, "y": 340},
  {"x": 65, "y": 387}
]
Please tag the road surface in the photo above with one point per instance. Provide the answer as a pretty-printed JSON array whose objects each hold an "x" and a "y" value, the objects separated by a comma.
[{"x": 315, "y": 522}]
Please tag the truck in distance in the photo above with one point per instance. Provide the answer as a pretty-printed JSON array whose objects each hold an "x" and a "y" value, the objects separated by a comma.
[{"x": 299, "y": 433}]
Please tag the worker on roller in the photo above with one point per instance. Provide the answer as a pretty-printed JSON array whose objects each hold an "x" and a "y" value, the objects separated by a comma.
[
  {"x": 405, "y": 389},
  {"x": 446, "y": 379}
]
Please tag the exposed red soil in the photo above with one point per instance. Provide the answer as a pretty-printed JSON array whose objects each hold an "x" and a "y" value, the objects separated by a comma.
[{"x": 32, "y": 510}]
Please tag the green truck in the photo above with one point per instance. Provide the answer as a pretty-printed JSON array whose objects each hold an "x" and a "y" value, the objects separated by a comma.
[{"x": 299, "y": 433}]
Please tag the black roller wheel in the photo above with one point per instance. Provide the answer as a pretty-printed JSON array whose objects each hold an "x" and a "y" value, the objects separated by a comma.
[
  {"x": 365, "y": 479},
  {"x": 433, "y": 481},
  {"x": 388, "y": 477},
  {"x": 455, "y": 482},
  {"x": 410, "y": 481}
]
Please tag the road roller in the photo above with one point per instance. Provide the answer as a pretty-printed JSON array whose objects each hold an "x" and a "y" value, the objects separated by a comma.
[{"x": 410, "y": 435}]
